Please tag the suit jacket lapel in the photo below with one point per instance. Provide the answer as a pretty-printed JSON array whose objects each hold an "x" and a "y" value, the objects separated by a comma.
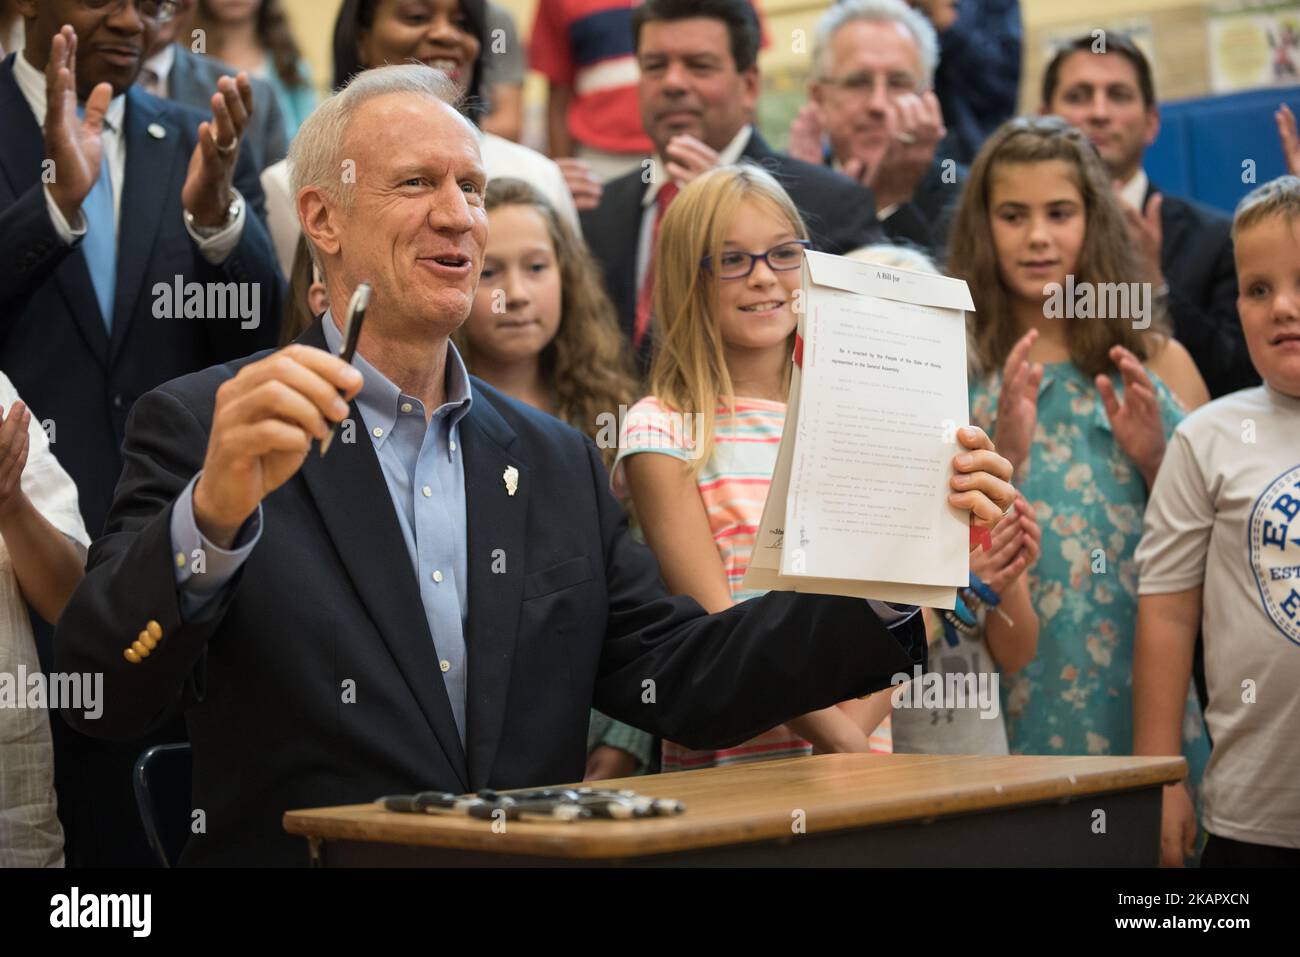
[
  {"x": 756, "y": 149},
  {"x": 22, "y": 152},
  {"x": 182, "y": 81},
  {"x": 497, "y": 522},
  {"x": 369, "y": 542},
  {"x": 613, "y": 236},
  {"x": 151, "y": 172},
  {"x": 1172, "y": 230}
]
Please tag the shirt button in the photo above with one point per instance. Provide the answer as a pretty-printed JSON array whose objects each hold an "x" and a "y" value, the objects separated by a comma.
[
  {"x": 426, "y": 491},
  {"x": 452, "y": 446},
  {"x": 406, "y": 407},
  {"x": 379, "y": 433},
  {"x": 437, "y": 575},
  {"x": 445, "y": 665}
]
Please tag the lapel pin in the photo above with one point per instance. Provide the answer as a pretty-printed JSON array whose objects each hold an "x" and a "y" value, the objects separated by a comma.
[
  {"x": 511, "y": 477},
  {"x": 156, "y": 131}
]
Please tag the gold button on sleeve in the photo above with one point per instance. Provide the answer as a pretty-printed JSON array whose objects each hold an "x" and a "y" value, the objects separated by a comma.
[{"x": 131, "y": 656}]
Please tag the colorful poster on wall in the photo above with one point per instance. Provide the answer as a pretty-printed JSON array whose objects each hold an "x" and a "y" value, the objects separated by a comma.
[{"x": 1253, "y": 43}]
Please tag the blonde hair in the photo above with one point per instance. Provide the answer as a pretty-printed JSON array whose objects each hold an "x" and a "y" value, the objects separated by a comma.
[
  {"x": 1108, "y": 254},
  {"x": 1277, "y": 197},
  {"x": 689, "y": 370}
]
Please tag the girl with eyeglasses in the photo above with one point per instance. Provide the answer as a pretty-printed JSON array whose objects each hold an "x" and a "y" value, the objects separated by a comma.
[{"x": 729, "y": 251}]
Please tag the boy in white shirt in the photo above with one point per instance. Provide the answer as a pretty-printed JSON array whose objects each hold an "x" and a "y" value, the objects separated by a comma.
[{"x": 1221, "y": 551}]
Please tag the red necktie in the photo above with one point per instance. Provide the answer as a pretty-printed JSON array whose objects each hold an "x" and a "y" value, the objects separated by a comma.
[{"x": 667, "y": 192}]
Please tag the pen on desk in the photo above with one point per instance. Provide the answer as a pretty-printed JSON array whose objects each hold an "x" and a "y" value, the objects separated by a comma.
[{"x": 351, "y": 334}]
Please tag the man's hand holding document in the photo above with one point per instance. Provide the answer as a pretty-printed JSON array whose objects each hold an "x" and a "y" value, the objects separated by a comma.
[{"x": 864, "y": 501}]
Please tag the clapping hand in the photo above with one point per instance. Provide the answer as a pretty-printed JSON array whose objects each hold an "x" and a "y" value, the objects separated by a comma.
[
  {"x": 14, "y": 444},
  {"x": 1286, "y": 129},
  {"x": 1018, "y": 402},
  {"x": 1016, "y": 545},
  {"x": 915, "y": 128},
  {"x": 1136, "y": 422},
  {"x": 74, "y": 143},
  {"x": 806, "y": 135},
  {"x": 1147, "y": 230},
  {"x": 206, "y": 194},
  {"x": 686, "y": 158},
  {"x": 583, "y": 184}
]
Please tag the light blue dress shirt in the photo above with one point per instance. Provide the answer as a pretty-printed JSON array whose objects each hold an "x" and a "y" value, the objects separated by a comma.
[{"x": 424, "y": 469}]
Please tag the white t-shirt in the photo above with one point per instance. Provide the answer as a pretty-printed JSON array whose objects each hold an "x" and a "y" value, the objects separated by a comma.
[
  {"x": 956, "y": 708},
  {"x": 1225, "y": 514},
  {"x": 30, "y": 835}
]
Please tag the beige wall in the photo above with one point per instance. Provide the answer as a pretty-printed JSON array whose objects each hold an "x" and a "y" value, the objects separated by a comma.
[{"x": 313, "y": 28}]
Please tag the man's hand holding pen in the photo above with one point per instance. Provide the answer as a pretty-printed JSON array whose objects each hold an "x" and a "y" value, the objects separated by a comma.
[{"x": 262, "y": 428}]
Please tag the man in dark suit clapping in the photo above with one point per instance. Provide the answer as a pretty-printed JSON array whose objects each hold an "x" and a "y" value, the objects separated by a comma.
[
  {"x": 97, "y": 213},
  {"x": 174, "y": 71},
  {"x": 698, "y": 90},
  {"x": 438, "y": 601}
]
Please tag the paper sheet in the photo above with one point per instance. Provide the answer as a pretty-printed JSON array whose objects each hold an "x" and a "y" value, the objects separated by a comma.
[{"x": 863, "y": 466}]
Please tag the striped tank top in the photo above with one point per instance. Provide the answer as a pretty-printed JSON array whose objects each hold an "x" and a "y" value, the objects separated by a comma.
[{"x": 733, "y": 485}]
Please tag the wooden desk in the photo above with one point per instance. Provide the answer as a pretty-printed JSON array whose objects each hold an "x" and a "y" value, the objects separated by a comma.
[{"x": 857, "y": 809}]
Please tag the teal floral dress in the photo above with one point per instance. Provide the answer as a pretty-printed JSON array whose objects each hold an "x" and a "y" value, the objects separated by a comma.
[{"x": 1076, "y": 696}]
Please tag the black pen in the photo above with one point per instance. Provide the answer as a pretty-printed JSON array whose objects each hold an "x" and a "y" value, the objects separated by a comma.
[{"x": 351, "y": 334}]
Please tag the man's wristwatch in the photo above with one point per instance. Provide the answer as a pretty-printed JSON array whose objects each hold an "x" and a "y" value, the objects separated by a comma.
[{"x": 232, "y": 213}]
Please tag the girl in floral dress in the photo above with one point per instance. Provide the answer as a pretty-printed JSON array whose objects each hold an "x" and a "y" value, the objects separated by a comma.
[{"x": 1081, "y": 396}]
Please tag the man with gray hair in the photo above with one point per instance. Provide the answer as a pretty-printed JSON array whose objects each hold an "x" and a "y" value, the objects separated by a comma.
[
  {"x": 437, "y": 603},
  {"x": 873, "y": 115}
]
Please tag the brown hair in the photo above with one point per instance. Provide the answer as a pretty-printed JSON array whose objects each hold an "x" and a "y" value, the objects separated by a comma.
[
  {"x": 1108, "y": 254},
  {"x": 1277, "y": 198},
  {"x": 1116, "y": 43},
  {"x": 587, "y": 364},
  {"x": 297, "y": 313},
  {"x": 689, "y": 370},
  {"x": 274, "y": 34}
]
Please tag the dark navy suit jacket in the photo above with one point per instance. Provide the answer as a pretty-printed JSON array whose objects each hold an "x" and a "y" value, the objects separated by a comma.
[
  {"x": 566, "y": 612},
  {"x": 53, "y": 343}
]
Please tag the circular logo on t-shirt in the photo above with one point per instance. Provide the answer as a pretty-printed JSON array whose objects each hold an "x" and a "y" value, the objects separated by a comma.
[{"x": 1274, "y": 537}]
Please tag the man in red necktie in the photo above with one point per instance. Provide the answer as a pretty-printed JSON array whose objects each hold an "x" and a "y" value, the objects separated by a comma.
[{"x": 698, "y": 93}]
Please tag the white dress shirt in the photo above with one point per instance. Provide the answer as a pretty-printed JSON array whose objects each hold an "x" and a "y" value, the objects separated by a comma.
[
  {"x": 156, "y": 71},
  {"x": 1134, "y": 192},
  {"x": 214, "y": 244}
]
